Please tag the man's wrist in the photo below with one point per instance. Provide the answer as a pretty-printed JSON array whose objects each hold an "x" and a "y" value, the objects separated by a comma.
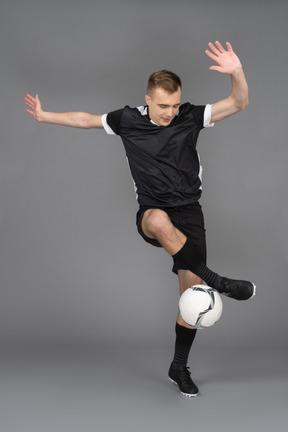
[
  {"x": 42, "y": 117},
  {"x": 238, "y": 72}
]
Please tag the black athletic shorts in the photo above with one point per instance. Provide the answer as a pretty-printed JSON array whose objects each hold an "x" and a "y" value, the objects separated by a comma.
[{"x": 188, "y": 219}]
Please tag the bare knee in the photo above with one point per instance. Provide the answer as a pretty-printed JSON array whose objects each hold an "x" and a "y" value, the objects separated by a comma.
[{"x": 156, "y": 223}]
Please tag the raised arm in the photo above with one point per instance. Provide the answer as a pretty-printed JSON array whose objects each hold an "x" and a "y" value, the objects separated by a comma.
[
  {"x": 72, "y": 119},
  {"x": 228, "y": 63}
]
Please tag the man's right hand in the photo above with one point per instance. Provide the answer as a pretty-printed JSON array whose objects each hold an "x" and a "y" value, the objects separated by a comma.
[
  {"x": 35, "y": 107},
  {"x": 72, "y": 119}
]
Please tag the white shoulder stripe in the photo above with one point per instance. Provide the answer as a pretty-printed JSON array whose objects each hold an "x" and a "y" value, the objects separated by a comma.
[
  {"x": 142, "y": 110},
  {"x": 106, "y": 126}
]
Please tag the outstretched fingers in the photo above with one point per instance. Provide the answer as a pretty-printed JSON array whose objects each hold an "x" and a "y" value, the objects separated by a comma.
[
  {"x": 217, "y": 50},
  {"x": 31, "y": 99},
  {"x": 226, "y": 59},
  {"x": 33, "y": 103}
]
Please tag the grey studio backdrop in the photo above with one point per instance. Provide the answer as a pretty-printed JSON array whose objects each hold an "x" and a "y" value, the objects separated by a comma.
[{"x": 74, "y": 270}]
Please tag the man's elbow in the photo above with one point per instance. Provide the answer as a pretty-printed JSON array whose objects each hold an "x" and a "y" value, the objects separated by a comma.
[
  {"x": 245, "y": 103},
  {"x": 241, "y": 105}
]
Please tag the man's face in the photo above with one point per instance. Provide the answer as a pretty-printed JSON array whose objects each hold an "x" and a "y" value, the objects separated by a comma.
[{"x": 163, "y": 106}]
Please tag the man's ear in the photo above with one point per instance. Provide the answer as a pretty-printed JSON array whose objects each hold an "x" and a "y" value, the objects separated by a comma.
[{"x": 147, "y": 99}]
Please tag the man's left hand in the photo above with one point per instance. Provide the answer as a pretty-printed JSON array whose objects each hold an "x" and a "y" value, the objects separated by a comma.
[{"x": 227, "y": 60}]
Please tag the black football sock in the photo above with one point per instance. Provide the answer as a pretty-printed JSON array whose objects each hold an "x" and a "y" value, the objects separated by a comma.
[
  {"x": 184, "y": 341},
  {"x": 190, "y": 258}
]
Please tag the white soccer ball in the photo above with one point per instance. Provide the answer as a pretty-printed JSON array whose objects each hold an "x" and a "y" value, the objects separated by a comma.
[{"x": 200, "y": 306}]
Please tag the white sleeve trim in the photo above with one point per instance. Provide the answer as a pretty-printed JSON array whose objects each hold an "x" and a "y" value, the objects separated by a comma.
[
  {"x": 106, "y": 126},
  {"x": 207, "y": 116}
]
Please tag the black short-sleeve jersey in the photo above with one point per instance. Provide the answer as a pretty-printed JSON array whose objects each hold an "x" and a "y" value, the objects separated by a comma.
[{"x": 163, "y": 160}]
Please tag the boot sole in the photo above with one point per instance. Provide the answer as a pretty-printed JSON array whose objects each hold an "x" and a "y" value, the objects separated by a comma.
[
  {"x": 189, "y": 395},
  {"x": 254, "y": 292}
]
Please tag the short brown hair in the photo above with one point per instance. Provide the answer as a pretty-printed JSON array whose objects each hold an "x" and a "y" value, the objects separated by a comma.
[{"x": 167, "y": 80}]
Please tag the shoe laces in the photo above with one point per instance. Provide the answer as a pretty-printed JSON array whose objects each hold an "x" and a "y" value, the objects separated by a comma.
[
  {"x": 229, "y": 285},
  {"x": 185, "y": 375}
]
